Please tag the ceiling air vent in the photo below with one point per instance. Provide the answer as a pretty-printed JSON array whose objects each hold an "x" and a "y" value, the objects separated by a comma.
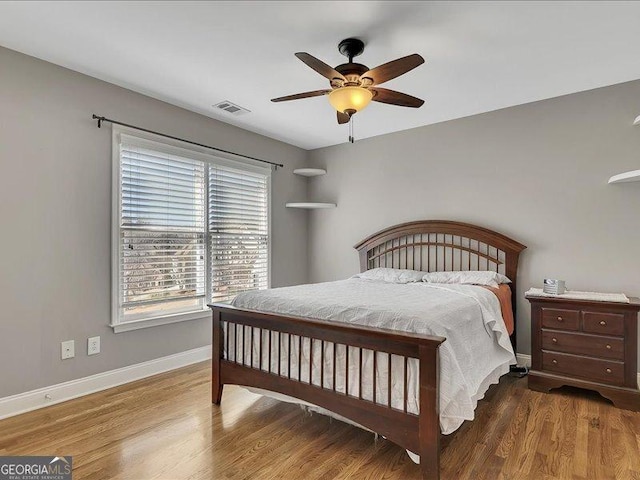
[{"x": 231, "y": 108}]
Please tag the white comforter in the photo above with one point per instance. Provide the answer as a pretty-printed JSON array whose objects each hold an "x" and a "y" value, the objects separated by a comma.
[{"x": 476, "y": 353}]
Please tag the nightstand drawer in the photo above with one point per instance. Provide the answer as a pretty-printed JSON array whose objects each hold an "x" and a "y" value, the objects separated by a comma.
[
  {"x": 605, "y": 323},
  {"x": 606, "y": 371},
  {"x": 560, "y": 319},
  {"x": 581, "y": 344}
]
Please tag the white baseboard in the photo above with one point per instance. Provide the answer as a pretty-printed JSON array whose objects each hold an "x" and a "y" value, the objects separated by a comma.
[
  {"x": 523, "y": 359},
  {"x": 44, "y": 397}
]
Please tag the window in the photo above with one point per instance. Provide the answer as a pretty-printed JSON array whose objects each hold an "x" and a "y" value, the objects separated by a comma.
[
  {"x": 189, "y": 229},
  {"x": 238, "y": 232}
]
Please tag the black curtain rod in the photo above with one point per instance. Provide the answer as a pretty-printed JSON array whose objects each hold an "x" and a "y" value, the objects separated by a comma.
[{"x": 104, "y": 119}]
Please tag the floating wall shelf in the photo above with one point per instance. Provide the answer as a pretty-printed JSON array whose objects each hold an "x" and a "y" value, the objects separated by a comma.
[
  {"x": 310, "y": 205},
  {"x": 633, "y": 176},
  {"x": 309, "y": 172}
]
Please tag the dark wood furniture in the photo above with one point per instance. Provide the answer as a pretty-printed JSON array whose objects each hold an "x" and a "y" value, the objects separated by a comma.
[
  {"x": 430, "y": 245},
  {"x": 586, "y": 344}
]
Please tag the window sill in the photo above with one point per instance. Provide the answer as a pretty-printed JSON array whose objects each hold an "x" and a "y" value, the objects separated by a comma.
[{"x": 157, "y": 321}]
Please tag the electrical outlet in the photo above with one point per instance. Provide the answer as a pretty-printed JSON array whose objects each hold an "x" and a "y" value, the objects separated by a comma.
[
  {"x": 93, "y": 345},
  {"x": 68, "y": 349}
]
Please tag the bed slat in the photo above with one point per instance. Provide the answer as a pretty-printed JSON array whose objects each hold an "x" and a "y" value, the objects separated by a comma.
[
  {"x": 333, "y": 382},
  {"x": 360, "y": 374},
  {"x": 389, "y": 382},
  {"x": 406, "y": 383},
  {"x": 346, "y": 371},
  {"x": 289, "y": 356},
  {"x": 375, "y": 374},
  {"x": 310, "y": 360},
  {"x": 299, "y": 358},
  {"x": 321, "y": 363}
]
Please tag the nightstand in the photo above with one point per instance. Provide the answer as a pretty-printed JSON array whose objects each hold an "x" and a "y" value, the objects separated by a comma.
[{"x": 586, "y": 344}]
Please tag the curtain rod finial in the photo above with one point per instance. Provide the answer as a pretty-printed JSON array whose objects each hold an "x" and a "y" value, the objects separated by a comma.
[{"x": 100, "y": 120}]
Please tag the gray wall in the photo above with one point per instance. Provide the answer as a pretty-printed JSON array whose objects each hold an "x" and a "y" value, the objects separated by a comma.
[
  {"x": 537, "y": 173},
  {"x": 55, "y": 197}
]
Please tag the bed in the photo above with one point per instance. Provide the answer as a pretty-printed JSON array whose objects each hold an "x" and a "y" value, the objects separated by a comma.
[{"x": 328, "y": 345}]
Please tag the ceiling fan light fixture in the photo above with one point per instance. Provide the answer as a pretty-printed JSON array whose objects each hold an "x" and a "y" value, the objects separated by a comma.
[{"x": 351, "y": 98}]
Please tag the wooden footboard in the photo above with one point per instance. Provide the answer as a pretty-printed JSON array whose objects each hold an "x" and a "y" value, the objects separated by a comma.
[
  {"x": 310, "y": 360},
  {"x": 402, "y": 402}
]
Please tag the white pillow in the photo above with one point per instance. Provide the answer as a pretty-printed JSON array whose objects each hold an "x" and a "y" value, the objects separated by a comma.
[
  {"x": 391, "y": 275},
  {"x": 491, "y": 279}
]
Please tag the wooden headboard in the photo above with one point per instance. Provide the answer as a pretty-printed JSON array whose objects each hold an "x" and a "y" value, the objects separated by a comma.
[{"x": 441, "y": 245}]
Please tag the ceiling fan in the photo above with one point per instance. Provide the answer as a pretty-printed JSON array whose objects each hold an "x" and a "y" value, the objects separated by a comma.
[{"x": 354, "y": 86}]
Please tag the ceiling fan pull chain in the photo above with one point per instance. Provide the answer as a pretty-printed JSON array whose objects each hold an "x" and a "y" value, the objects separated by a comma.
[{"x": 351, "y": 129}]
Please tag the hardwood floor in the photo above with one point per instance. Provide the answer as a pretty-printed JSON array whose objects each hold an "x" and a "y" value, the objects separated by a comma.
[{"x": 165, "y": 427}]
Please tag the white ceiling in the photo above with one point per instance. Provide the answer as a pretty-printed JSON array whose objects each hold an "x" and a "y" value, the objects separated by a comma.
[{"x": 480, "y": 56}]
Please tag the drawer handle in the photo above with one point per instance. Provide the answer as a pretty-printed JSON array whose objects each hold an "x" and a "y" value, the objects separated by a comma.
[
  {"x": 608, "y": 347},
  {"x": 554, "y": 340},
  {"x": 559, "y": 319},
  {"x": 608, "y": 370},
  {"x": 603, "y": 323},
  {"x": 554, "y": 361}
]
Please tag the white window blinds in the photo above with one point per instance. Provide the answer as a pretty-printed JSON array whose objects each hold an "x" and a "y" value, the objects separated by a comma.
[
  {"x": 190, "y": 231},
  {"x": 162, "y": 234},
  {"x": 238, "y": 232}
]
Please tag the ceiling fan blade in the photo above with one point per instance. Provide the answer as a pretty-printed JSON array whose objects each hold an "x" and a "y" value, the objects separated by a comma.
[
  {"x": 384, "y": 95},
  {"x": 393, "y": 69},
  {"x": 297, "y": 96},
  {"x": 320, "y": 67},
  {"x": 343, "y": 118}
]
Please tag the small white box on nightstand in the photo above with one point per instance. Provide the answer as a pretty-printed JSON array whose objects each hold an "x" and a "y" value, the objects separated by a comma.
[{"x": 554, "y": 287}]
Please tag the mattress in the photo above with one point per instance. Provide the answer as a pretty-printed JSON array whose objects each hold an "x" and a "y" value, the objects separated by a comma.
[{"x": 476, "y": 353}]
